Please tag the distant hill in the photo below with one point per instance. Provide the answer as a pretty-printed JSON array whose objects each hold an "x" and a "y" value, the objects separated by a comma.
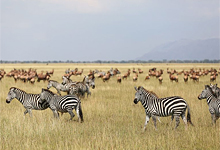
[{"x": 185, "y": 50}]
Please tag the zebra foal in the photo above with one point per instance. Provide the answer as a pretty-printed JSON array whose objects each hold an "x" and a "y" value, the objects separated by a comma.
[
  {"x": 29, "y": 101},
  {"x": 62, "y": 104},
  {"x": 169, "y": 106},
  {"x": 212, "y": 101}
]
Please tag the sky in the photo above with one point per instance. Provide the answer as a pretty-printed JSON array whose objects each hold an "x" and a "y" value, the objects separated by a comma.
[{"x": 89, "y": 30}]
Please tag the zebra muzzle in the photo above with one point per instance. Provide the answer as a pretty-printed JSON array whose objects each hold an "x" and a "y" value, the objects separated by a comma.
[
  {"x": 199, "y": 97},
  {"x": 7, "y": 101},
  {"x": 135, "y": 101}
]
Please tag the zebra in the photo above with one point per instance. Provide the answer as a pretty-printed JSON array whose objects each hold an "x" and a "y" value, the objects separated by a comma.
[
  {"x": 62, "y": 104},
  {"x": 59, "y": 86},
  {"x": 90, "y": 81},
  {"x": 80, "y": 88},
  {"x": 216, "y": 90},
  {"x": 74, "y": 89},
  {"x": 169, "y": 106},
  {"x": 212, "y": 101},
  {"x": 29, "y": 101}
]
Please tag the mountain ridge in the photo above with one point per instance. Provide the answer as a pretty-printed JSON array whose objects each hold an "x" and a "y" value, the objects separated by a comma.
[{"x": 185, "y": 49}]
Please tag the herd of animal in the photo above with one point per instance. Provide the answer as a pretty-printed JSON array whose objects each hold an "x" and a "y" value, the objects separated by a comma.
[
  {"x": 193, "y": 74},
  {"x": 155, "y": 107}
]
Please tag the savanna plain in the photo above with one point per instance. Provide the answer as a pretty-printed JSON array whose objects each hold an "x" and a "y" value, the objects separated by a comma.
[{"x": 111, "y": 119}]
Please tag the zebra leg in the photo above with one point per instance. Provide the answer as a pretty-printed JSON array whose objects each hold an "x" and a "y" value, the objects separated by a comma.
[
  {"x": 146, "y": 122},
  {"x": 55, "y": 114},
  {"x": 25, "y": 112},
  {"x": 158, "y": 118},
  {"x": 71, "y": 114},
  {"x": 172, "y": 117},
  {"x": 213, "y": 119},
  {"x": 155, "y": 121},
  {"x": 184, "y": 119},
  {"x": 58, "y": 91},
  {"x": 177, "y": 121}
]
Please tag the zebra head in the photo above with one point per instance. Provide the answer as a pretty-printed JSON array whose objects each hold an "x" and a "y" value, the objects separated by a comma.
[
  {"x": 206, "y": 93},
  {"x": 65, "y": 80},
  {"x": 42, "y": 96},
  {"x": 49, "y": 84},
  {"x": 11, "y": 95},
  {"x": 139, "y": 95},
  {"x": 215, "y": 89},
  {"x": 90, "y": 81}
]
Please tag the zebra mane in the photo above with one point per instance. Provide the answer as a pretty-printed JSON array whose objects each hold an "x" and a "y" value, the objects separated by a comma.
[
  {"x": 151, "y": 92},
  {"x": 17, "y": 89},
  {"x": 49, "y": 91},
  {"x": 53, "y": 81},
  {"x": 210, "y": 90}
]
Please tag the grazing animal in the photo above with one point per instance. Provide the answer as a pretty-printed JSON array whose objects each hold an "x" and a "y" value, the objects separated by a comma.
[
  {"x": 43, "y": 77},
  {"x": 135, "y": 77},
  {"x": 174, "y": 106},
  {"x": 59, "y": 86},
  {"x": 160, "y": 79},
  {"x": 62, "y": 104},
  {"x": 147, "y": 77},
  {"x": 212, "y": 78},
  {"x": 119, "y": 79},
  {"x": 212, "y": 101},
  {"x": 185, "y": 78},
  {"x": 29, "y": 101},
  {"x": 173, "y": 78},
  {"x": 90, "y": 80}
]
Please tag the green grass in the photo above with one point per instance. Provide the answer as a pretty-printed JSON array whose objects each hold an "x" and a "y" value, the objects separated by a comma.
[{"x": 111, "y": 119}]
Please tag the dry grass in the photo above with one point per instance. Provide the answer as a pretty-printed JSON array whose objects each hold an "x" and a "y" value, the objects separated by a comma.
[{"x": 111, "y": 119}]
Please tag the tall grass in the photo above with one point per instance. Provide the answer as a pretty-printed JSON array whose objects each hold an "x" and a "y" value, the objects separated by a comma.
[{"x": 111, "y": 119}]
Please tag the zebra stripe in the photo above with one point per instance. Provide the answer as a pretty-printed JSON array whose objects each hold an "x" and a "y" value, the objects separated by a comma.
[
  {"x": 169, "y": 106},
  {"x": 29, "y": 101},
  {"x": 62, "y": 104},
  {"x": 59, "y": 86},
  {"x": 212, "y": 101}
]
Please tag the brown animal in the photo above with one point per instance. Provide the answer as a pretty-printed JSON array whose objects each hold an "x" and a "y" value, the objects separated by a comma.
[
  {"x": 185, "y": 78},
  {"x": 51, "y": 72},
  {"x": 119, "y": 79},
  {"x": 140, "y": 71},
  {"x": 79, "y": 72},
  {"x": 135, "y": 77},
  {"x": 43, "y": 77},
  {"x": 160, "y": 79},
  {"x": 147, "y": 77},
  {"x": 106, "y": 77},
  {"x": 212, "y": 78},
  {"x": 173, "y": 77}
]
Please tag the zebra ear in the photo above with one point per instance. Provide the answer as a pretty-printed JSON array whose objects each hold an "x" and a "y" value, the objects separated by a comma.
[
  {"x": 207, "y": 86},
  {"x": 135, "y": 88},
  {"x": 42, "y": 90}
]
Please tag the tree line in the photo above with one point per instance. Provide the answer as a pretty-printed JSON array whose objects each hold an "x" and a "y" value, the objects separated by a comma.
[{"x": 113, "y": 61}]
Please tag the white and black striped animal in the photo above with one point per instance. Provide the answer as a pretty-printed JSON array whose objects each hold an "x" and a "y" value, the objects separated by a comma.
[
  {"x": 212, "y": 101},
  {"x": 62, "y": 104},
  {"x": 169, "y": 106},
  {"x": 59, "y": 86},
  {"x": 29, "y": 101},
  {"x": 216, "y": 90},
  {"x": 80, "y": 88},
  {"x": 90, "y": 80}
]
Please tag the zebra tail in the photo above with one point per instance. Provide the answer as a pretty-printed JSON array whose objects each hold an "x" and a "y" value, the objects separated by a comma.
[
  {"x": 189, "y": 116},
  {"x": 80, "y": 112}
]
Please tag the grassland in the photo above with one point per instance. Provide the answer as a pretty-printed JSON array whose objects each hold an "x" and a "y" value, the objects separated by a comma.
[{"x": 111, "y": 119}]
